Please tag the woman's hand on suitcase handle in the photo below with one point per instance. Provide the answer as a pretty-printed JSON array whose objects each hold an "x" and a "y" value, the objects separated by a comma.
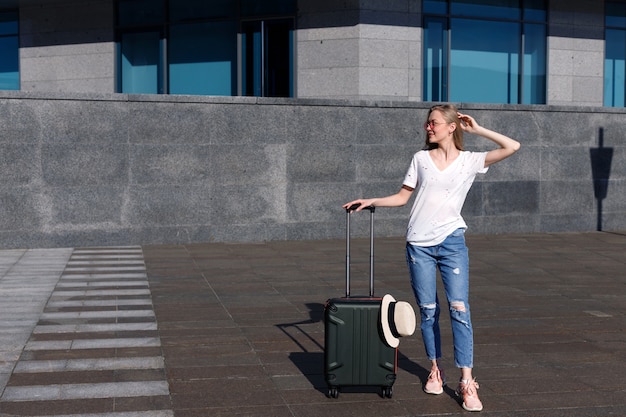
[{"x": 358, "y": 205}]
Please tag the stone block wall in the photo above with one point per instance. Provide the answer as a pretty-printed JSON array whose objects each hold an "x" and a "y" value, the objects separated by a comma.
[
  {"x": 98, "y": 169},
  {"x": 576, "y": 53},
  {"x": 67, "y": 46},
  {"x": 359, "y": 50}
]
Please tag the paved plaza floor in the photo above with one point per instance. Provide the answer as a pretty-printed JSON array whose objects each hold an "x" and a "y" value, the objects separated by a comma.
[{"x": 221, "y": 329}]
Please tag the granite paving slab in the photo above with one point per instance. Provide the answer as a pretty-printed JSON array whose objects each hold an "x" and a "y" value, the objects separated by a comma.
[
  {"x": 219, "y": 329},
  {"x": 548, "y": 312},
  {"x": 91, "y": 353}
]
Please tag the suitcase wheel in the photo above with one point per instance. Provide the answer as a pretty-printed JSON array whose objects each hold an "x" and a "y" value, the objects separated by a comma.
[{"x": 333, "y": 392}]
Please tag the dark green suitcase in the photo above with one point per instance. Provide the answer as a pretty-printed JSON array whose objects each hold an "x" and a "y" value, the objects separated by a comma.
[{"x": 355, "y": 353}]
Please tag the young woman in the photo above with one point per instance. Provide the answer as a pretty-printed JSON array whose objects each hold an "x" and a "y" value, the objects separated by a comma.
[{"x": 441, "y": 176}]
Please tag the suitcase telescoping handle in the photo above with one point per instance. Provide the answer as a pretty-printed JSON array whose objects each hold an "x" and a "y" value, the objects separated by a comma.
[{"x": 348, "y": 211}]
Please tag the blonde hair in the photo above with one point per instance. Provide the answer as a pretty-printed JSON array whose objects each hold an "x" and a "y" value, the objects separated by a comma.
[{"x": 450, "y": 115}]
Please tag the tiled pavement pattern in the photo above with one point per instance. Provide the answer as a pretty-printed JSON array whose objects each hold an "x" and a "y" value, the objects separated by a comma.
[
  {"x": 95, "y": 349},
  {"x": 240, "y": 330},
  {"x": 27, "y": 277}
]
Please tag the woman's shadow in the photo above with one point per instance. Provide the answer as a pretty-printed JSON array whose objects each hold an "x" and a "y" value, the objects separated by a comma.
[{"x": 408, "y": 365}]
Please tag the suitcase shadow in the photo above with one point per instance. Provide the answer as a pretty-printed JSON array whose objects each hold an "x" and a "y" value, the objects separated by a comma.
[{"x": 310, "y": 358}]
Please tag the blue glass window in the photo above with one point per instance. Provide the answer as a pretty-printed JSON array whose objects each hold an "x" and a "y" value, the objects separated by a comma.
[
  {"x": 267, "y": 58},
  {"x": 496, "y": 9},
  {"x": 535, "y": 10},
  {"x": 488, "y": 71},
  {"x": 435, "y": 59},
  {"x": 203, "y": 59},
  {"x": 615, "y": 15},
  {"x": 9, "y": 52},
  {"x": 140, "y": 69},
  {"x": 192, "y": 47},
  {"x": 614, "y": 68},
  {"x": 534, "y": 60},
  {"x": 465, "y": 61},
  {"x": 615, "y": 55},
  {"x": 435, "y": 6}
]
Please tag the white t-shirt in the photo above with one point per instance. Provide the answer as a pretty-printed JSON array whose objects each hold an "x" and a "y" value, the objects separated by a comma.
[{"x": 440, "y": 195}]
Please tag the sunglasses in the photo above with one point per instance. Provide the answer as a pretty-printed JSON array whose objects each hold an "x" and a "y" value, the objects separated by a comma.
[{"x": 432, "y": 124}]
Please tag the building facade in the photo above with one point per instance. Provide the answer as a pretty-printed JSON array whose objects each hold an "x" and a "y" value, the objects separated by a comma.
[
  {"x": 143, "y": 121},
  {"x": 522, "y": 52}
]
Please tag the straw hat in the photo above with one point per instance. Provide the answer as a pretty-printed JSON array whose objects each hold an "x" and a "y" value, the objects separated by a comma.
[{"x": 397, "y": 319}]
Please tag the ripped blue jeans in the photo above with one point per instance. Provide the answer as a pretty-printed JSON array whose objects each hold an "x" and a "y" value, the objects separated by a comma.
[{"x": 451, "y": 258}]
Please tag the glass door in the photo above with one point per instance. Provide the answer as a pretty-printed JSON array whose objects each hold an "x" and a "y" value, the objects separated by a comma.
[{"x": 267, "y": 58}]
